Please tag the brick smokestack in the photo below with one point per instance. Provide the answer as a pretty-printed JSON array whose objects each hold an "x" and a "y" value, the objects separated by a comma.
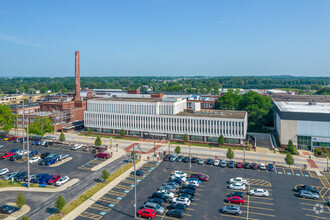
[{"x": 77, "y": 77}]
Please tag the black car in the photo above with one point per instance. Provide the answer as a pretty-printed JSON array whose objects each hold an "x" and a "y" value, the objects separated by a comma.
[
  {"x": 239, "y": 194},
  {"x": 194, "y": 160},
  {"x": 15, "y": 157},
  {"x": 159, "y": 201},
  {"x": 44, "y": 155},
  {"x": 231, "y": 164},
  {"x": 186, "y": 195},
  {"x": 186, "y": 159},
  {"x": 246, "y": 165},
  {"x": 19, "y": 174},
  {"x": 254, "y": 166},
  {"x": 188, "y": 191},
  {"x": 179, "y": 159},
  {"x": 45, "y": 160},
  {"x": 178, "y": 213},
  {"x": 47, "y": 144},
  {"x": 167, "y": 157},
  {"x": 177, "y": 206},
  {"x": 192, "y": 187},
  {"x": 209, "y": 162},
  {"x": 7, "y": 209},
  {"x": 160, "y": 196},
  {"x": 138, "y": 173},
  {"x": 21, "y": 177},
  {"x": 307, "y": 187}
]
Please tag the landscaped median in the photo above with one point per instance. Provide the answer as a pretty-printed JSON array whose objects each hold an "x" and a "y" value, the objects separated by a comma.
[{"x": 91, "y": 193}]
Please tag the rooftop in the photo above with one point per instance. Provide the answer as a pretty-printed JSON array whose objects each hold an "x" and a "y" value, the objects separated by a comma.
[
  {"x": 124, "y": 99},
  {"x": 306, "y": 107},
  {"x": 215, "y": 114},
  {"x": 300, "y": 98}
]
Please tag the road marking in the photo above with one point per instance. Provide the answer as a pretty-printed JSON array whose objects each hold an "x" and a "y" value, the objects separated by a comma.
[
  {"x": 325, "y": 202},
  {"x": 90, "y": 215},
  {"x": 283, "y": 170},
  {"x": 233, "y": 216},
  {"x": 316, "y": 217},
  {"x": 307, "y": 204},
  {"x": 248, "y": 205},
  {"x": 99, "y": 207},
  {"x": 292, "y": 172},
  {"x": 314, "y": 211},
  {"x": 265, "y": 203},
  {"x": 277, "y": 159},
  {"x": 261, "y": 198},
  {"x": 256, "y": 213},
  {"x": 324, "y": 194}
]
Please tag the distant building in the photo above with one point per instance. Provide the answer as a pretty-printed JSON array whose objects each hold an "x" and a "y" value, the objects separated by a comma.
[{"x": 205, "y": 102}]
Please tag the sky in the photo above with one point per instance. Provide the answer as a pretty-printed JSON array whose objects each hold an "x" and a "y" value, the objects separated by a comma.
[{"x": 165, "y": 37}]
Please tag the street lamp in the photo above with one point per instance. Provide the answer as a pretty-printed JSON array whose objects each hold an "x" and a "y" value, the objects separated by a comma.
[
  {"x": 189, "y": 159},
  {"x": 134, "y": 180},
  {"x": 327, "y": 164},
  {"x": 244, "y": 156}
]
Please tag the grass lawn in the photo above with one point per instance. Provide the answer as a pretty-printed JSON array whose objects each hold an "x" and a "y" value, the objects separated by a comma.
[
  {"x": 8, "y": 183},
  {"x": 109, "y": 136},
  {"x": 209, "y": 145}
]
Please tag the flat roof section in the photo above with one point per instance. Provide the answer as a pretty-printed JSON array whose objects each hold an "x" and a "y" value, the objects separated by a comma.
[
  {"x": 214, "y": 114},
  {"x": 304, "y": 107},
  {"x": 300, "y": 98},
  {"x": 123, "y": 99}
]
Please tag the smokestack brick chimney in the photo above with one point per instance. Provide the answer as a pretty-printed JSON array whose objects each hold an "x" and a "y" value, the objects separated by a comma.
[{"x": 77, "y": 76}]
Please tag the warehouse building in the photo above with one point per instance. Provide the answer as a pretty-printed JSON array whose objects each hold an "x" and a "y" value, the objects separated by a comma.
[{"x": 164, "y": 117}]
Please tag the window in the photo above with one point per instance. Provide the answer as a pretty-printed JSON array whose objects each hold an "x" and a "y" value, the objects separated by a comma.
[{"x": 304, "y": 142}]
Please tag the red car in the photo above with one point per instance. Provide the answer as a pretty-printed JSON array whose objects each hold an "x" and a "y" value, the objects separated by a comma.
[
  {"x": 54, "y": 179},
  {"x": 147, "y": 213},
  {"x": 200, "y": 176},
  {"x": 235, "y": 200},
  {"x": 8, "y": 154},
  {"x": 12, "y": 138},
  {"x": 103, "y": 155},
  {"x": 239, "y": 165}
]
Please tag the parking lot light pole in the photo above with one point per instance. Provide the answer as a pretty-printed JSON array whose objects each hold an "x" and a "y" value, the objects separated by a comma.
[
  {"x": 244, "y": 156},
  {"x": 134, "y": 182},
  {"x": 28, "y": 154},
  {"x": 327, "y": 164},
  {"x": 190, "y": 159}
]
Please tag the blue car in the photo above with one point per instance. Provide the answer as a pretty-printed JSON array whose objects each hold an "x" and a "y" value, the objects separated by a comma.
[
  {"x": 13, "y": 150},
  {"x": 270, "y": 167},
  {"x": 33, "y": 153},
  {"x": 177, "y": 180},
  {"x": 39, "y": 177},
  {"x": 45, "y": 179},
  {"x": 51, "y": 161},
  {"x": 195, "y": 179}
]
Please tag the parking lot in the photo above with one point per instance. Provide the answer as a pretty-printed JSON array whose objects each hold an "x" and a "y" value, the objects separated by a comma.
[{"x": 282, "y": 202}]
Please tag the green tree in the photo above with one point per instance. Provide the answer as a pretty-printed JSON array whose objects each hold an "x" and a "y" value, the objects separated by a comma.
[
  {"x": 185, "y": 137},
  {"x": 324, "y": 150},
  {"x": 41, "y": 126},
  {"x": 122, "y": 132},
  {"x": 132, "y": 155},
  {"x": 60, "y": 203},
  {"x": 25, "y": 218},
  {"x": 43, "y": 89},
  {"x": 62, "y": 137},
  {"x": 291, "y": 148},
  {"x": 289, "y": 159},
  {"x": 230, "y": 154},
  {"x": 105, "y": 175},
  {"x": 178, "y": 149},
  {"x": 22, "y": 89},
  {"x": 221, "y": 139},
  {"x": 7, "y": 119},
  {"x": 20, "y": 200},
  {"x": 89, "y": 131},
  {"x": 229, "y": 100},
  {"x": 98, "y": 141},
  {"x": 32, "y": 91}
]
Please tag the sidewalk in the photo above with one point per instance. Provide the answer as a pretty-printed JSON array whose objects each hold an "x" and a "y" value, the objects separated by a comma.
[
  {"x": 114, "y": 157},
  {"x": 85, "y": 205}
]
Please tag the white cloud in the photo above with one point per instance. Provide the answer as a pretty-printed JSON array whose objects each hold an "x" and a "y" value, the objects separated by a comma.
[{"x": 16, "y": 40}]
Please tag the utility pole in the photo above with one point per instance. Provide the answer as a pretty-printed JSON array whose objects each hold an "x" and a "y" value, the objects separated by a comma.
[
  {"x": 28, "y": 155},
  {"x": 244, "y": 156},
  {"x": 23, "y": 129},
  {"x": 169, "y": 148},
  {"x": 134, "y": 182},
  {"x": 327, "y": 164},
  {"x": 190, "y": 159}
]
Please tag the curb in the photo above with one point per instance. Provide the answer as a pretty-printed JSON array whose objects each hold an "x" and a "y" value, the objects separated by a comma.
[{"x": 25, "y": 209}]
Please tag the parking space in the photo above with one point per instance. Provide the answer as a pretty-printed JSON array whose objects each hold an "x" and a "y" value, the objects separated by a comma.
[
  {"x": 106, "y": 203},
  {"x": 282, "y": 202},
  {"x": 91, "y": 163}
]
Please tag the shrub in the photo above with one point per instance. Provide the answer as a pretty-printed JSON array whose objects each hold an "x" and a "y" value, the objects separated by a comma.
[
  {"x": 185, "y": 137},
  {"x": 230, "y": 154},
  {"x": 62, "y": 137},
  {"x": 221, "y": 139},
  {"x": 20, "y": 200},
  {"x": 178, "y": 149},
  {"x": 105, "y": 175},
  {"x": 60, "y": 203},
  {"x": 122, "y": 132},
  {"x": 324, "y": 150},
  {"x": 98, "y": 141},
  {"x": 289, "y": 159}
]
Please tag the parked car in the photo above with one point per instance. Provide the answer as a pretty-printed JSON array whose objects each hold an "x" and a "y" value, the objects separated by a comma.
[
  {"x": 181, "y": 200},
  {"x": 223, "y": 163},
  {"x": 201, "y": 161},
  {"x": 237, "y": 186},
  {"x": 77, "y": 146},
  {"x": 186, "y": 159},
  {"x": 34, "y": 159},
  {"x": 186, "y": 195},
  {"x": 209, "y": 162},
  {"x": 216, "y": 162},
  {"x": 44, "y": 155},
  {"x": 235, "y": 200},
  {"x": 38, "y": 177},
  {"x": 5, "y": 139},
  {"x": 194, "y": 160},
  {"x": 21, "y": 152},
  {"x": 33, "y": 153},
  {"x": 192, "y": 182},
  {"x": 179, "y": 158},
  {"x": 270, "y": 167},
  {"x": 10, "y": 176},
  {"x": 246, "y": 165},
  {"x": 231, "y": 164},
  {"x": 239, "y": 194},
  {"x": 239, "y": 180},
  {"x": 156, "y": 200},
  {"x": 192, "y": 187},
  {"x": 45, "y": 179},
  {"x": 62, "y": 180},
  {"x": 103, "y": 155},
  {"x": 195, "y": 179},
  {"x": 254, "y": 166},
  {"x": 177, "y": 206},
  {"x": 238, "y": 165},
  {"x": 161, "y": 196},
  {"x": 7, "y": 209},
  {"x": 63, "y": 156},
  {"x": 47, "y": 144},
  {"x": 15, "y": 157},
  {"x": 54, "y": 179},
  {"x": 173, "y": 157},
  {"x": 177, "y": 213},
  {"x": 51, "y": 161},
  {"x": 308, "y": 188},
  {"x": 167, "y": 188},
  {"x": 154, "y": 206},
  {"x": 12, "y": 138},
  {"x": 7, "y": 155},
  {"x": 180, "y": 173},
  {"x": 259, "y": 192},
  {"x": 232, "y": 209},
  {"x": 308, "y": 194},
  {"x": 200, "y": 176},
  {"x": 146, "y": 213},
  {"x": 21, "y": 177},
  {"x": 167, "y": 157},
  {"x": 1, "y": 146},
  {"x": 4, "y": 171},
  {"x": 262, "y": 166},
  {"x": 188, "y": 191},
  {"x": 138, "y": 173}
]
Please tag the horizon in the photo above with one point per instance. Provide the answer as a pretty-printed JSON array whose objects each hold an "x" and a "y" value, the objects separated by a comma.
[{"x": 165, "y": 38}]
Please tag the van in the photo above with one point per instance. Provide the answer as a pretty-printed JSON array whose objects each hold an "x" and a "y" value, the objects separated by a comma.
[
  {"x": 173, "y": 157},
  {"x": 154, "y": 206}
]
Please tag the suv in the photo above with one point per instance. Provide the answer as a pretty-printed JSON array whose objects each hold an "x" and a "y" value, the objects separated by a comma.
[
  {"x": 154, "y": 206},
  {"x": 161, "y": 196},
  {"x": 44, "y": 155},
  {"x": 15, "y": 157},
  {"x": 308, "y": 194},
  {"x": 173, "y": 157},
  {"x": 223, "y": 163},
  {"x": 308, "y": 188},
  {"x": 103, "y": 155},
  {"x": 232, "y": 209}
]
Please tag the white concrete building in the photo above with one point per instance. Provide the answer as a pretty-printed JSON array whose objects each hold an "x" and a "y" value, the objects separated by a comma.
[
  {"x": 164, "y": 117},
  {"x": 307, "y": 124}
]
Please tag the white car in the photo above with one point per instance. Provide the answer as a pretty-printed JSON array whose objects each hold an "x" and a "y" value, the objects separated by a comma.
[
  {"x": 239, "y": 180},
  {"x": 42, "y": 143},
  {"x": 262, "y": 166},
  {"x": 181, "y": 200},
  {"x": 193, "y": 182},
  {"x": 77, "y": 146},
  {"x": 216, "y": 162},
  {"x": 1, "y": 146},
  {"x": 259, "y": 192},
  {"x": 174, "y": 176},
  {"x": 20, "y": 152},
  {"x": 4, "y": 171},
  {"x": 181, "y": 173},
  {"x": 237, "y": 186},
  {"x": 34, "y": 159},
  {"x": 166, "y": 193},
  {"x": 62, "y": 180}
]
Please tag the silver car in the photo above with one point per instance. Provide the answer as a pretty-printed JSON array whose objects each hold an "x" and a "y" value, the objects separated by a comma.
[
  {"x": 154, "y": 206},
  {"x": 308, "y": 194},
  {"x": 232, "y": 209}
]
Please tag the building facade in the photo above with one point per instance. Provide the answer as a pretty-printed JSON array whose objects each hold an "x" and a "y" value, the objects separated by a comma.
[
  {"x": 164, "y": 117},
  {"x": 307, "y": 124}
]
